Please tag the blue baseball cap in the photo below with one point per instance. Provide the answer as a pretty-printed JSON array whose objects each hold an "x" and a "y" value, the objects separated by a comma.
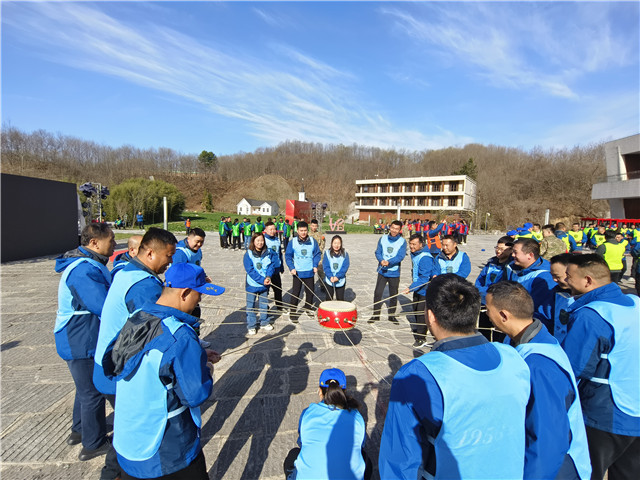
[
  {"x": 528, "y": 225},
  {"x": 512, "y": 233},
  {"x": 333, "y": 374},
  {"x": 188, "y": 275}
]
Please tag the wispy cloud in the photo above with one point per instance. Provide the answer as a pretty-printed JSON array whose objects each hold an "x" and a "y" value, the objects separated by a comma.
[
  {"x": 270, "y": 18},
  {"x": 294, "y": 97},
  {"x": 520, "y": 46}
]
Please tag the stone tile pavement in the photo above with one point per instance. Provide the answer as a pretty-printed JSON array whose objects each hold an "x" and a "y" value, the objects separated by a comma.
[{"x": 262, "y": 383}]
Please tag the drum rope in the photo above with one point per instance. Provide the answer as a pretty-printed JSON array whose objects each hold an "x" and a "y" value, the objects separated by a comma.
[
  {"x": 364, "y": 361},
  {"x": 371, "y": 305}
]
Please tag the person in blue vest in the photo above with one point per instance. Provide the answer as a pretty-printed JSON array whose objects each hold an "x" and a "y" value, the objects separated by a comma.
[
  {"x": 452, "y": 260},
  {"x": 124, "y": 258},
  {"x": 273, "y": 243},
  {"x": 556, "y": 441},
  {"x": 259, "y": 263},
  {"x": 163, "y": 376},
  {"x": 562, "y": 295},
  {"x": 82, "y": 291},
  {"x": 459, "y": 410},
  {"x": 302, "y": 257},
  {"x": 603, "y": 345},
  {"x": 189, "y": 250},
  {"x": 422, "y": 267},
  {"x": 331, "y": 435},
  {"x": 494, "y": 270},
  {"x": 532, "y": 272},
  {"x": 390, "y": 252},
  {"x": 135, "y": 285},
  {"x": 336, "y": 264}
]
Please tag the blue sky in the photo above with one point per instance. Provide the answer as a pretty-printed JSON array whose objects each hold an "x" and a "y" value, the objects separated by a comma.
[{"x": 236, "y": 76}]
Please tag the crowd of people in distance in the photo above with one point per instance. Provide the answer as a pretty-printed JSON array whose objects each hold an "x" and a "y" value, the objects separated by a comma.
[{"x": 532, "y": 373}]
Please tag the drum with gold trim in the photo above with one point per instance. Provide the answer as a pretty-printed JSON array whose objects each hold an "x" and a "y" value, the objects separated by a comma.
[{"x": 337, "y": 315}]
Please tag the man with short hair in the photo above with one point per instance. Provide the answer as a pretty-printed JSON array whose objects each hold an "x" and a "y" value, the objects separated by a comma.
[
  {"x": 561, "y": 233},
  {"x": 532, "y": 272},
  {"x": 603, "y": 345},
  {"x": 494, "y": 269},
  {"x": 390, "y": 252},
  {"x": 432, "y": 236},
  {"x": 612, "y": 252},
  {"x": 459, "y": 410},
  {"x": 273, "y": 243},
  {"x": 302, "y": 257},
  {"x": 597, "y": 237},
  {"x": 579, "y": 237},
  {"x": 421, "y": 272},
  {"x": 536, "y": 231},
  {"x": 189, "y": 250},
  {"x": 122, "y": 259},
  {"x": 556, "y": 442},
  {"x": 135, "y": 285},
  {"x": 562, "y": 295},
  {"x": 163, "y": 376},
  {"x": 81, "y": 295},
  {"x": 451, "y": 260},
  {"x": 550, "y": 246}
]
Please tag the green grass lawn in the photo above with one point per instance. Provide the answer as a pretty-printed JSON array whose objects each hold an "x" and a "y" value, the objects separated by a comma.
[{"x": 209, "y": 223}]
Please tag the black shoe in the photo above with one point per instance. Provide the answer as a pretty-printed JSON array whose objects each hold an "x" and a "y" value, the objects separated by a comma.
[
  {"x": 373, "y": 319},
  {"x": 419, "y": 343},
  {"x": 294, "y": 318},
  {"x": 393, "y": 320},
  {"x": 86, "y": 454},
  {"x": 74, "y": 438}
]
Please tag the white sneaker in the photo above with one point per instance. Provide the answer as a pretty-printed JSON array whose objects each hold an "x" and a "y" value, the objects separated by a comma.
[
  {"x": 267, "y": 328},
  {"x": 251, "y": 332}
]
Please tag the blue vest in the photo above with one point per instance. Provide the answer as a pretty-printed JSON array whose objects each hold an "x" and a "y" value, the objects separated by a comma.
[
  {"x": 303, "y": 254},
  {"x": 65, "y": 299},
  {"x": 578, "y": 449},
  {"x": 415, "y": 261},
  {"x": 450, "y": 266},
  {"x": 114, "y": 315},
  {"x": 192, "y": 257},
  {"x": 274, "y": 246},
  {"x": 331, "y": 444},
  {"x": 333, "y": 265},
  {"x": 145, "y": 388},
  {"x": 66, "y": 312},
  {"x": 624, "y": 357},
  {"x": 525, "y": 280},
  {"x": 560, "y": 320},
  {"x": 390, "y": 250},
  {"x": 480, "y": 436},
  {"x": 260, "y": 264}
]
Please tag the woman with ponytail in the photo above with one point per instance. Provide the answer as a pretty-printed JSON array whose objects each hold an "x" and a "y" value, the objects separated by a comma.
[{"x": 331, "y": 434}]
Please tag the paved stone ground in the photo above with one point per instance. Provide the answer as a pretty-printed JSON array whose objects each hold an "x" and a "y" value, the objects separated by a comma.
[{"x": 262, "y": 384}]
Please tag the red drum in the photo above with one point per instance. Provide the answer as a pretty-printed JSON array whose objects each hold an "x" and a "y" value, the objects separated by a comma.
[{"x": 337, "y": 315}]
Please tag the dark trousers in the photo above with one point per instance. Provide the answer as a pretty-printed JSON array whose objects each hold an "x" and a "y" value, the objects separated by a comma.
[
  {"x": 223, "y": 240},
  {"x": 196, "y": 470},
  {"x": 276, "y": 281},
  {"x": 393, "y": 292},
  {"x": 419, "y": 327},
  {"x": 296, "y": 294},
  {"x": 330, "y": 290},
  {"x": 289, "y": 463},
  {"x": 619, "y": 454},
  {"x": 88, "y": 407},
  {"x": 236, "y": 242}
]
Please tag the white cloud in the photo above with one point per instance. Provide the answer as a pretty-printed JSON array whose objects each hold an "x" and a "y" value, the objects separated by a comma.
[
  {"x": 297, "y": 97},
  {"x": 521, "y": 46}
]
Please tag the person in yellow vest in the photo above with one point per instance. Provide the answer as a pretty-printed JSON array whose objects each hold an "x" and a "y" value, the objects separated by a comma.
[
  {"x": 597, "y": 238},
  {"x": 613, "y": 253},
  {"x": 561, "y": 233},
  {"x": 525, "y": 231},
  {"x": 578, "y": 236},
  {"x": 536, "y": 231}
]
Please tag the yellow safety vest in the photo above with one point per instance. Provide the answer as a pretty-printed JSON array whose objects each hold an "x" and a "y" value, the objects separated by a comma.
[
  {"x": 613, "y": 255},
  {"x": 599, "y": 239},
  {"x": 577, "y": 236},
  {"x": 537, "y": 236}
]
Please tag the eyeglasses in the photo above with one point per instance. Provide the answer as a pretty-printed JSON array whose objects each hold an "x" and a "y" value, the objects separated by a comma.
[{"x": 500, "y": 249}]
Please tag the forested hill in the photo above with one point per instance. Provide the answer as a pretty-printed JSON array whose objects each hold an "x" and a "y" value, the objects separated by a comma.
[{"x": 513, "y": 184}]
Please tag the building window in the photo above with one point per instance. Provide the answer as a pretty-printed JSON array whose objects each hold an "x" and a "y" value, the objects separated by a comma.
[
  {"x": 436, "y": 202},
  {"x": 365, "y": 189},
  {"x": 422, "y": 187},
  {"x": 435, "y": 187},
  {"x": 453, "y": 186},
  {"x": 395, "y": 188},
  {"x": 453, "y": 201}
]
